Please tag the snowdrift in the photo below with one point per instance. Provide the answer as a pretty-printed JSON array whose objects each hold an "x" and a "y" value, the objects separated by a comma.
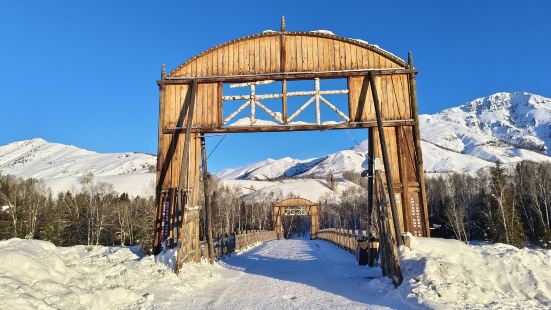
[
  {"x": 38, "y": 275},
  {"x": 450, "y": 274}
]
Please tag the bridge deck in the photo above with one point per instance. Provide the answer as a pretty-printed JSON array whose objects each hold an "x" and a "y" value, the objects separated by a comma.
[{"x": 291, "y": 274}]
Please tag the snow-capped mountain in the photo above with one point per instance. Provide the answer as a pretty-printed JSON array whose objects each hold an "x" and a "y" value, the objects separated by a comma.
[
  {"x": 508, "y": 127},
  {"x": 61, "y": 166},
  {"x": 503, "y": 126}
]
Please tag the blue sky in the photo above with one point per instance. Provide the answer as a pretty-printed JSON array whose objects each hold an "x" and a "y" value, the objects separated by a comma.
[{"x": 84, "y": 73}]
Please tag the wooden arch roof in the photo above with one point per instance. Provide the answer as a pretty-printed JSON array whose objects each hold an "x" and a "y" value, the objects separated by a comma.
[
  {"x": 277, "y": 52},
  {"x": 294, "y": 202}
]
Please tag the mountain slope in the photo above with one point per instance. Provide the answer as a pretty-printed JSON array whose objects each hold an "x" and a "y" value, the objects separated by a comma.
[
  {"x": 60, "y": 166},
  {"x": 506, "y": 127},
  {"x": 502, "y": 122}
]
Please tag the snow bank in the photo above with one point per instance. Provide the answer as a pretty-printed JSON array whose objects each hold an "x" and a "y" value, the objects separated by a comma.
[
  {"x": 450, "y": 274},
  {"x": 38, "y": 275}
]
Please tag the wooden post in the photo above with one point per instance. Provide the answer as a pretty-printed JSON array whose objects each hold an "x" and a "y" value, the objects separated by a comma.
[
  {"x": 388, "y": 250},
  {"x": 185, "y": 156},
  {"x": 207, "y": 200},
  {"x": 370, "y": 180},
  {"x": 317, "y": 98},
  {"x": 282, "y": 56},
  {"x": 417, "y": 142},
  {"x": 386, "y": 160},
  {"x": 284, "y": 112}
]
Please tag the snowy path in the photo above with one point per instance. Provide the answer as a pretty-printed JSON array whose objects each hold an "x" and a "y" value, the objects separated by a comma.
[{"x": 291, "y": 274}]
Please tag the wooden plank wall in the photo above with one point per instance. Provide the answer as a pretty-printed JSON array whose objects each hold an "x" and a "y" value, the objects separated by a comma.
[
  {"x": 402, "y": 162},
  {"x": 303, "y": 52},
  {"x": 393, "y": 93}
]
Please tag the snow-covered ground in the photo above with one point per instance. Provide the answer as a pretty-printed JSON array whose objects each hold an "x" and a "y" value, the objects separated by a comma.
[{"x": 280, "y": 274}]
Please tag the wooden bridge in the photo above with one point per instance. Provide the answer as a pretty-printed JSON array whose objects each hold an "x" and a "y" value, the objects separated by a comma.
[{"x": 381, "y": 96}]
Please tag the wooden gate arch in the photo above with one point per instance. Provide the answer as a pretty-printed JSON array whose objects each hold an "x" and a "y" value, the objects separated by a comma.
[
  {"x": 381, "y": 96},
  {"x": 296, "y": 206}
]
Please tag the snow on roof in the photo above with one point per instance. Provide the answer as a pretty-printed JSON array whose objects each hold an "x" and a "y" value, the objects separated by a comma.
[
  {"x": 361, "y": 41},
  {"x": 358, "y": 40},
  {"x": 323, "y": 32}
]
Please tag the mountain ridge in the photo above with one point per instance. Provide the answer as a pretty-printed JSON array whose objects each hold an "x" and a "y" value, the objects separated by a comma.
[
  {"x": 505, "y": 127},
  {"x": 61, "y": 166}
]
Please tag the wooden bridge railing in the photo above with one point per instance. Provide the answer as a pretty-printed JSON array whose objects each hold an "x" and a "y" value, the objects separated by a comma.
[
  {"x": 225, "y": 245},
  {"x": 345, "y": 238}
]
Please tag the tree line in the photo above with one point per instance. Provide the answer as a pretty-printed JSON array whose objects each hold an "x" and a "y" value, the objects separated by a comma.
[
  {"x": 510, "y": 205},
  {"x": 95, "y": 215},
  {"x": 499, "y": 204}
]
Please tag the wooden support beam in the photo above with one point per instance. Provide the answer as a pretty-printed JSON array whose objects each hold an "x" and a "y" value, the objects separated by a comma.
[
  {"x": 184, "y": 164},
  {"x": 388, "y": 237},
  {"x": 403, "y": 168},
  {"x": 284, "y": 105},
  {"x": 184, "y": 175},
  {"x": 282, "y": 56},
  {"x": 208, "y": 208},
  {"x": 417, "y": 142},
  {"x": 386, "y": 159},
  {"x": 283, "y": 75},
  {"x": 302, "y": 127},
  {"x": 370, "y": 180}
]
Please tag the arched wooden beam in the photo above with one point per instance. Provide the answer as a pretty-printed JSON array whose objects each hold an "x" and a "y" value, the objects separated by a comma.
[
  {"x": 273, "y": 52},
  {"x": 294, "y": 202}
]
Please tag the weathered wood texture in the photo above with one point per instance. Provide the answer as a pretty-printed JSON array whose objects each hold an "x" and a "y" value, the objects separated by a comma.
[
  {"x": 405, "y": 177},
  {"x": 393, "y": 93},
  {"x": 389, "y": 238},
  {"x": 173, "y": 99},
  {"x": 304, "y": 51}
]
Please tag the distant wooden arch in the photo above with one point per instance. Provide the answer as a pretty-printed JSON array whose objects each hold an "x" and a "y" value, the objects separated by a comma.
[{"x": 297, "y": 206}]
